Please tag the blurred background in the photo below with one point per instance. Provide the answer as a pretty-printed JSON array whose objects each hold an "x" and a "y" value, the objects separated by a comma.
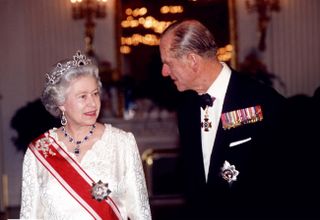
[{"x": 276, "y": 41}]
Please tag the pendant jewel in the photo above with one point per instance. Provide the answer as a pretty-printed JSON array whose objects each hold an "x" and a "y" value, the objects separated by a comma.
[{"x": 76, "y": 149}]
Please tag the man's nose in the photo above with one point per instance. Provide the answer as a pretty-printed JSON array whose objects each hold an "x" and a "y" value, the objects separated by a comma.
[{"x": 165, "y": 71}]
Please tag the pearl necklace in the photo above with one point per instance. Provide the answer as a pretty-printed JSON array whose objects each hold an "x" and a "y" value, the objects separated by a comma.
[{"x": 76, "y": 149}]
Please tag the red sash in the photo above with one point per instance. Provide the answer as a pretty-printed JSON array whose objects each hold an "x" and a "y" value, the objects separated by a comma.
[{"x": 72, "y": 177}]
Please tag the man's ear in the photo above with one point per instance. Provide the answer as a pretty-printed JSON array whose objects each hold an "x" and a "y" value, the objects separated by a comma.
[{"x": 193, "y": 60}]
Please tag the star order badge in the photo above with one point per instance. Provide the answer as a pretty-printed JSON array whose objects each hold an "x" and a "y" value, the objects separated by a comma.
[
  {"x": 100, "y": 191},
  {"x": 229, "y": 172}
]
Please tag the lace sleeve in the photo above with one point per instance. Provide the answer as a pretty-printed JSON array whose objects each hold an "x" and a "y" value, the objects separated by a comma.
[
  {"x": 137, "y": 199},
  {"x": 30, "y": 188}
]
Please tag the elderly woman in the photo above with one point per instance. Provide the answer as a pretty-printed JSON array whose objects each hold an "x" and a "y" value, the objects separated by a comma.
[{"x": 84, "y": 169}]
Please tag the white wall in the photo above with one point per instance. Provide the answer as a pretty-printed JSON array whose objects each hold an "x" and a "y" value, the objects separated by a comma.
[
  {"x": 293, "y": 46},
  {"x": 34, "y": 35},
  {"x": 294, "y": 50}
]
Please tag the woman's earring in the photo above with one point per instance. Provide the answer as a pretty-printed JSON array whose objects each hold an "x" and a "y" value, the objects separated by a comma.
[{"x": 63, "y": 119}]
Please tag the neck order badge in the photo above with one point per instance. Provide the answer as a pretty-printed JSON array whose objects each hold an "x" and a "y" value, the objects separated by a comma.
[{"x": 205, "y": 101}]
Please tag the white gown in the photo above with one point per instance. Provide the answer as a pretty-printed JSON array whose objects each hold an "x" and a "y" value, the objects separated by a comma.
[{"x": 114, "y": 159}]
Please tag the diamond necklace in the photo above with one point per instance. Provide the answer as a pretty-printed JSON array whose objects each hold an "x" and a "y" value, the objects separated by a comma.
[{"x": 76, "y": 149}]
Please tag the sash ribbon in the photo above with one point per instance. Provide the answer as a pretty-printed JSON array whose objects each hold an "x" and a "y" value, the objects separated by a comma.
[{"x": 72, "y": 177}]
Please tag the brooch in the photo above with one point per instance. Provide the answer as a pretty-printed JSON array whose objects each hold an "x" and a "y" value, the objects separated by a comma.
[
  {"x": 241, "y": 116},
  {"x": 100, "y": 191},
  {"x": 229, "y": 172},
  {"x": 43, "y": 145}
]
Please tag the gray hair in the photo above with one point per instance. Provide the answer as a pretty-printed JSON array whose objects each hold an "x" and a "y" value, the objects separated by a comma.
[
  {"x": 54, "y": 92},
  {"x": 191, "y": 36}
]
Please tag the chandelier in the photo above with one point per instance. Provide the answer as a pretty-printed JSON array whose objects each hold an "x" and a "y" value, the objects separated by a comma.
[{"x": 89, "y": 10}]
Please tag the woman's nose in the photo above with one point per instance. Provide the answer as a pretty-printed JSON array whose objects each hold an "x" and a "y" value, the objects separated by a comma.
[{"x": 92, "y": 100}]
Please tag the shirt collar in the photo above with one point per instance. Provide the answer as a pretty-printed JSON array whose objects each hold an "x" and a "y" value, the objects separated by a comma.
[{"x": 219, "y": 87}]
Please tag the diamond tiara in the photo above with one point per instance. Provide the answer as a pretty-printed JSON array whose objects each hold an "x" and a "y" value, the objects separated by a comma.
[{"x": 78, "y": 60}]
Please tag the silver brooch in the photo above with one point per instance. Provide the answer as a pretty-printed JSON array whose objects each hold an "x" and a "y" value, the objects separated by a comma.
[
  {"x": 100, "y": 190},
  {"x": 229, "y": 172},
  {"x": 43, "y": 145}
]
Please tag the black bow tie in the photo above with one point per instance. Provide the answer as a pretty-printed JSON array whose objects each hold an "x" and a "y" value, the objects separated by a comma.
[{"x": 206, "y": 100}]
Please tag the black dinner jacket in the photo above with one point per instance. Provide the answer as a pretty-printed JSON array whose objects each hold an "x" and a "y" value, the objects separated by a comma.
[{"x": 258, "y": 190}]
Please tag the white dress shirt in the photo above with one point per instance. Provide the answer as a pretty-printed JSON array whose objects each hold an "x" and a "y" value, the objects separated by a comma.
[{"x": 218, "y": 90}]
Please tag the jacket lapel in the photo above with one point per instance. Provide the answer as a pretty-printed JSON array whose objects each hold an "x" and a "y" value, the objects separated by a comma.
[
  {"x": 189, "y": 126},
  {"x": 219, "y": 151}
]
